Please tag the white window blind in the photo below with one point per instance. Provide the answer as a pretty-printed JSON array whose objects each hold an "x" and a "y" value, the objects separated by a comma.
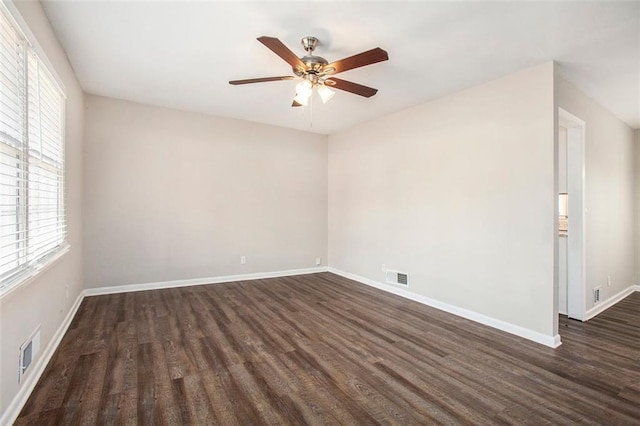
[{"x": 32, "y": 215}]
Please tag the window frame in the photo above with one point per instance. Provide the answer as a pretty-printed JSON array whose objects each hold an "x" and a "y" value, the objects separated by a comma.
[{"x": 31, "y": 268}]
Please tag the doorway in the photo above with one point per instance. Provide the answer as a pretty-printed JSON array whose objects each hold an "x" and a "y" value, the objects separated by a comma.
[{"x": 571, "y": 212}]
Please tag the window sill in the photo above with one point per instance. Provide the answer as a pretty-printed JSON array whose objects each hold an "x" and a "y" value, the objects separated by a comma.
[{"x": 36, "y": 272}]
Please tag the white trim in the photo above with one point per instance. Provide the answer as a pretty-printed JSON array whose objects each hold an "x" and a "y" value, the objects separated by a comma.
[
  {"x": 550, "y": 341},
  {"x": 35, "y": 271},
  {"x": 31, "y": 379},
  {"x": 200, "y": 281},
  {"x": 576, "y": 242},
  {"x": 568, "y": 120},
  {"x": 603, "y": 306},
  {"x": 33, "y": 42}
]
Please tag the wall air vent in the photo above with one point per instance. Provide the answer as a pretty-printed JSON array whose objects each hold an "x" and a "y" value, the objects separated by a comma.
[
  {"x": 28, "y": 351},
  {"x": 397, "y": 277}
]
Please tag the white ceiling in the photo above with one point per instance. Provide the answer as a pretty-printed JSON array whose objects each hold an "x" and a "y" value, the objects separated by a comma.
[{"x": 182, "y": 54}]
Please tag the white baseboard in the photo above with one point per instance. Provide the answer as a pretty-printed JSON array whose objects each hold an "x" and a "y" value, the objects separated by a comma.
[
  {"x": 550, "y": 341},
  {"x": 14, "y": 408},
  {"x": 606, "y": 304},
  {"x": 200, "y": 281}
]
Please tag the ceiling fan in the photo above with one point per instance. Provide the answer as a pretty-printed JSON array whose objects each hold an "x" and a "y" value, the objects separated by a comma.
[{"x": 318, "y": 72}]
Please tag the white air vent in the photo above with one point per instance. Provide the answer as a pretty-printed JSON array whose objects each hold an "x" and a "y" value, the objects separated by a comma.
[
  {"x": 596, "y": 295},
  {"x": 28, "y": 350},
  {"x": 397, "y": 277}
]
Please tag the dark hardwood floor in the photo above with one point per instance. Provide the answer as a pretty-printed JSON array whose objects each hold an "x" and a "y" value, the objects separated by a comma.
[{"x": 320, "y": 349}]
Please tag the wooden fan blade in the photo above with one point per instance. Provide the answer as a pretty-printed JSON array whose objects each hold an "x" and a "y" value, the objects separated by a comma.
[
  {"x": 349, "y": 86},
  {"x": 356, "y": 61},
  {"x": 283, "y": 51},
  {"x": 261, "y": 80},
  {"x": 296, "y": 104}
]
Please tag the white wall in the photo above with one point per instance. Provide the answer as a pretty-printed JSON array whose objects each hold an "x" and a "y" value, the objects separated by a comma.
[
  {"x": 172, "y": 195},
  {"x": 43, "y": 301},
  {"x": 458, "y": 192},
  {"x": 609, "y": 194}
]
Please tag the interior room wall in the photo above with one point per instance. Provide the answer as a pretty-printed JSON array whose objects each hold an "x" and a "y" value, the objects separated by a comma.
[
  {"x": 458, "y": 193},
  {"x": 44, "y": 300},
  {"x": 609, "y": 195},
  {"x": 173, "y": 195}
]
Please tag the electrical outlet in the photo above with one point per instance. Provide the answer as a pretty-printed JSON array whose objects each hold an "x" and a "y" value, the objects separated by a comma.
[
  {"x": 384, "y": 268},
  {"x": 609, "y": 281},
  {"x": 318, "y": 261},
  {"x": 243, "y": 260},
  {"x": 66, "y": 291}
]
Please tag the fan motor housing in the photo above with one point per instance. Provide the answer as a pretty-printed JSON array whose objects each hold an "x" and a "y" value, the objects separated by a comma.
[{"x": 314, "y": 65}]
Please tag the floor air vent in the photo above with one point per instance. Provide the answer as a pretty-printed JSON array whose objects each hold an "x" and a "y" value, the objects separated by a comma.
[{"x": 397, "y": 277}]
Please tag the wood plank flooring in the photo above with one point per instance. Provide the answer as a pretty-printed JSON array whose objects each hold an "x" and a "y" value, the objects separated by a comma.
[{"x": 321, "y": 349}]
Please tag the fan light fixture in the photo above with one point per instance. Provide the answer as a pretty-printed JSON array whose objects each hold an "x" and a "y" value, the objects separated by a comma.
[
  {"x": 304, "y": 90},
  {"x": 325, "y": 93}
]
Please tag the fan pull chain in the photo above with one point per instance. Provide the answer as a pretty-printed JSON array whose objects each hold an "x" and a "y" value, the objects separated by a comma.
[{"x": 311, "y": 111}]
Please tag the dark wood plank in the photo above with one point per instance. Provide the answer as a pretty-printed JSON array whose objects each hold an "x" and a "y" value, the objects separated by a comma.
[{"x": 321, "y": 349}]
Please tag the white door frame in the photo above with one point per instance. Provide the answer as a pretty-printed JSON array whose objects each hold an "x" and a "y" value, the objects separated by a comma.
[{"x": 576, "y": 273}]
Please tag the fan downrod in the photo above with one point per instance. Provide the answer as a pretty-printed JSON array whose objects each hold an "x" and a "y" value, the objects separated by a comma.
[
  {"x": 309, "y": 43},
  {"x": 312, "y": 62}
]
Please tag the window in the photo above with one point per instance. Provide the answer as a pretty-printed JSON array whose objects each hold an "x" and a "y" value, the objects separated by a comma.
[{"x": 32, "y": 215}]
